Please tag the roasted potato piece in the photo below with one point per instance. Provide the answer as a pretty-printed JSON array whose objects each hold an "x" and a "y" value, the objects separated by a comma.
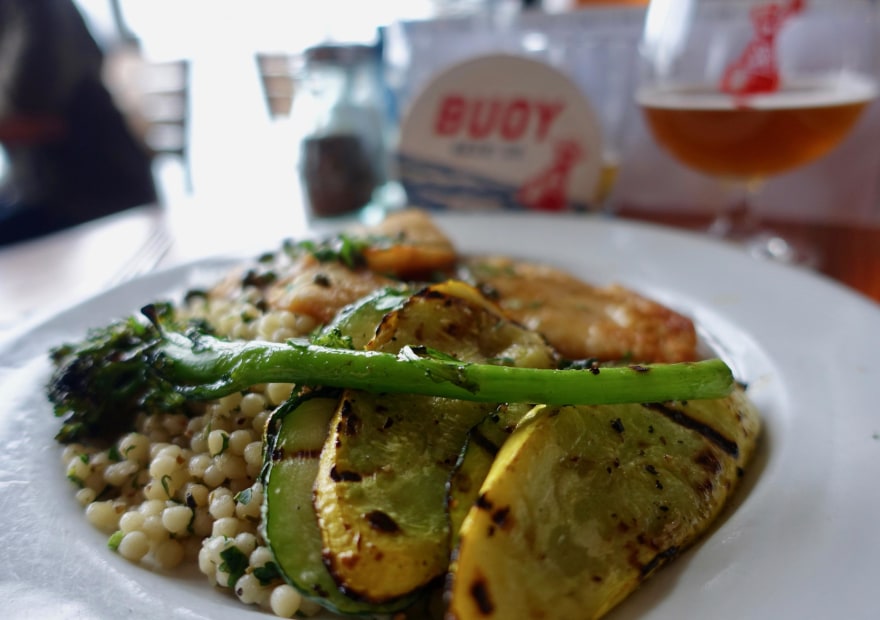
[
  {"x": 380, "y": 491},
  {"x": 583, "y": 503}
]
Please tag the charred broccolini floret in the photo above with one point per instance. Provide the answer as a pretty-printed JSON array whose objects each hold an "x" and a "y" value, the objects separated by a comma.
[{"x": 100, "y": 384}]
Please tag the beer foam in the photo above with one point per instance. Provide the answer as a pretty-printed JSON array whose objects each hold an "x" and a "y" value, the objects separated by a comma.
[{"x": 842, "y": 89}]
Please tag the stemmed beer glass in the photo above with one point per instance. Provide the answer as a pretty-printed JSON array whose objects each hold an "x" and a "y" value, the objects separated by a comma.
[{"x": 746, "y": 89}]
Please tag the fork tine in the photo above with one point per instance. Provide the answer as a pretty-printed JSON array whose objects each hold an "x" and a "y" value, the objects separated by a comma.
[{"x": 146, "y": 259}]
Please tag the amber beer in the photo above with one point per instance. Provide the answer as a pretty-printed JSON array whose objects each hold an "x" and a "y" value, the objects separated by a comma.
[{"x": 759, "y": 136}]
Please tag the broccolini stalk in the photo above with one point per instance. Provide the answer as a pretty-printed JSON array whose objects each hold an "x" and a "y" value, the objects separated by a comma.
[
  {"x": 100, "y": 385},
  {"x": 204, "y": 367}
]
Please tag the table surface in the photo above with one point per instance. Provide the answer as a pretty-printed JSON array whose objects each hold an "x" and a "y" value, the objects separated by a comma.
[{"x": 846, "y": 252}]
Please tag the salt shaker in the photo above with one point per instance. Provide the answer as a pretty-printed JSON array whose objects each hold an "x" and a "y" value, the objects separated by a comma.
[{"x": 339, "y": 112}]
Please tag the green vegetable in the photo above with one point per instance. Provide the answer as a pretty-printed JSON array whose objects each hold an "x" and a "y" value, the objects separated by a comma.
[
  {"x": 356, "y": 324},
  {"x": 343, "y": 248},
  {"x": 480, "y": 449},
  {"x": 381, "y": 487},
  {"x": 235, "y": 562},
  {"x": 296, "y": 433},
  {"x": 115, "y": 539},
  {"x": 583, "y": 503},
  {"x": 102, "y": 383},
  {"x": 203, "y": 367},
  {"x": 267, "y": 573}
]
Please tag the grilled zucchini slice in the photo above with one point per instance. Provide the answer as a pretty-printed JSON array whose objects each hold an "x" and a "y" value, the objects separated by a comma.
[
  {"x": 296, "y": 433},
  {"x": 381, "y": 486},
  {"x": 355, "y": 325}
]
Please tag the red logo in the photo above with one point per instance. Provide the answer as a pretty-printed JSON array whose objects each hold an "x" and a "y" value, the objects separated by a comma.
[
  {"x": 755, "y": 70},
  {"x": 482, "y": 118},
  {"x": 547, "y": 191}
]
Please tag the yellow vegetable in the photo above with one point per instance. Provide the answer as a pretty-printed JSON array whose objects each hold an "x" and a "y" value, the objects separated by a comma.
[
  {"x": 381, "y": 487},
  {"x": 583, "y": 503}
]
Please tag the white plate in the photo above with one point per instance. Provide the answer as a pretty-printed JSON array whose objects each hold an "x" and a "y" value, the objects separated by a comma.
[{"x": 800, "y": 540}]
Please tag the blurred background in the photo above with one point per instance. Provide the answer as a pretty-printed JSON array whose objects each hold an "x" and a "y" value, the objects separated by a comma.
[{"x": 207, "y": 94}]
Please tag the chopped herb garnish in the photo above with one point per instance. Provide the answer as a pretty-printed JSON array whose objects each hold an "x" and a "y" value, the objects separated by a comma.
[
  {"x": 105, "y": 493},
  {"x": 113, "y": 454},
  {"x": 164, "y": 481},
  {"x": 235, "y": 562},
  {"x": 194, "y": 293},
  {"x": 115, "y": 539},
  {"x": 259, "y": 279},
  {"x": 244, "y": 497},
  {"x": 342, "y": 248},
  {"x": 76, "y": 480},
  {"x": 267, "y": 573}
]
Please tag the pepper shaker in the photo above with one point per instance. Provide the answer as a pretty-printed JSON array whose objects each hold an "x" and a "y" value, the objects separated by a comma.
[{"x": 340, "y": 115}]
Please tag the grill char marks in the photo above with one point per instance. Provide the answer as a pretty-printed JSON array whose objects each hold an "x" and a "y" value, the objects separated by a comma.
[{"x": 678, "y": 416}]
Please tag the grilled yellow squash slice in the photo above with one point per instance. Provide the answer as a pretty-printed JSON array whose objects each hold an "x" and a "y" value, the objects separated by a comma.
[
  {"x": 583, "y": 503},
  {"x": 381, "y": 486},
  {"x": 481, "y": 447}
]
